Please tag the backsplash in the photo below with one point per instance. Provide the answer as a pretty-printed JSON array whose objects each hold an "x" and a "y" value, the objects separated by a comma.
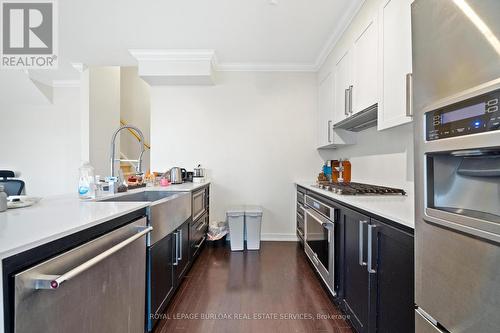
[{"x": 379, "y": 157}]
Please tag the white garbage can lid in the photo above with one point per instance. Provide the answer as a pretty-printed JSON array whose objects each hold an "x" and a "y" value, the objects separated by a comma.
[
  {"x": 236, "y": 211},
  {"x": 254, "y": 211}
]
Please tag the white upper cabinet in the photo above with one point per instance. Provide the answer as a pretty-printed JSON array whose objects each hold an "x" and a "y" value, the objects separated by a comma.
[
  {"x": 365, "y": 66},
  {"x": 395, "y": 67},
  {"x": 327, "y": 136},
  {"x": 325, "y": 107},
  {"x": 343, "y": 81}
]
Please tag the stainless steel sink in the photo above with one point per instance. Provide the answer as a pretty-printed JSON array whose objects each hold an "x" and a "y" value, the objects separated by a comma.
[
  {"x": 147, "y": 196},
  {"x": 168, "y": 210}
]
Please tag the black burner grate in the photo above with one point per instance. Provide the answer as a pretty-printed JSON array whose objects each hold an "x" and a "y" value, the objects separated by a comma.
[{"x": 360, "y": 189}]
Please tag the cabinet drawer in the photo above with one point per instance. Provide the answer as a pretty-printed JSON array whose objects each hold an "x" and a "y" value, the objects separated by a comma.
[
  {"x": 198, "y": 234},
  {"x": 300, "y": 210},
  {"x": 300, "y": 197}
]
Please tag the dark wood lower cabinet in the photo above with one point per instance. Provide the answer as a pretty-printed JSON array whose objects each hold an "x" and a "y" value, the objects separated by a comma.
[
  {"x": 356, "y": 280},
  {"x": 374, "y": 272},
  {"x": 181, "y": 263},
  {"x": 393, "y": 294},
  {"x": 162, "y": 274}
]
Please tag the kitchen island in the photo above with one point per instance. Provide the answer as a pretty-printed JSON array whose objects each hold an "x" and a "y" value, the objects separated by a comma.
[{"x": 55, "y": 219}]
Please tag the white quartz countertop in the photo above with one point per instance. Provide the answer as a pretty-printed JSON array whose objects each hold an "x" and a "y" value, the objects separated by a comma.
[
  {"x": 53, "y": 218},
  {"x": 56, "y": 217},
  {"x": 396, "y": 208}
]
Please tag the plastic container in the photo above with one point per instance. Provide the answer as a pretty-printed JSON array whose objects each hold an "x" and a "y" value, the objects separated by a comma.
[
  {"x": 236, "y": 220},
  {"x": 86, "y": 184},
  {"x": 3, "y": 199},
  {"x": 253, "y": 222}
]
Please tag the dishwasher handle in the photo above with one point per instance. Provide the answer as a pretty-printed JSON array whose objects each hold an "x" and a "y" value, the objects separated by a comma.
[{"x": 52, "y": 282}]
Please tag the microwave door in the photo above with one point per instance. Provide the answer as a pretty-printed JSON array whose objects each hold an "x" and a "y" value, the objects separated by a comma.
[{"x": 319, "y": 236}]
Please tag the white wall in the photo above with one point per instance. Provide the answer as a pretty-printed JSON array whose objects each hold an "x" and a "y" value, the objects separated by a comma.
[
  {"x": 104, "y": 115},
  {"x": 134, "y": 110},
  {"x": 42, "y": 142},
  {"x": 378, "y": 157},
  {"x": 254, "y": 132}
]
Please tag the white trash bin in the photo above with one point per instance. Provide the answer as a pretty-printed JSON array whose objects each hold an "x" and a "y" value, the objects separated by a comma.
[
  {"x": 236, "y": 220},
  {"x": 253, "y": 222}
]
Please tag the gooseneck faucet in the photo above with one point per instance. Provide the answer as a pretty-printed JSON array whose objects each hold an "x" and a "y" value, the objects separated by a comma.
[{"x": 138, "y": 168}]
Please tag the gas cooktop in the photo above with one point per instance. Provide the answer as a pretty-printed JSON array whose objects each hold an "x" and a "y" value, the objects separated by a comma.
[{"x": 359, "y": 189}]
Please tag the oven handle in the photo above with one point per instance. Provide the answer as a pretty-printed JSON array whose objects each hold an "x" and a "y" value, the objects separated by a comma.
[
  {"x": 320, "y": 219},
  {"x": 52, "y": 282},
  {"x": 324, "y": 222}
]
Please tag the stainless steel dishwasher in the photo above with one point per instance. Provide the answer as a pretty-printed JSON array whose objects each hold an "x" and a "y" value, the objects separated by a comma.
[{"x": 96, "y": 287}]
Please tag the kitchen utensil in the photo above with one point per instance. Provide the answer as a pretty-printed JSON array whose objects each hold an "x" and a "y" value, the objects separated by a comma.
[
  {"x": 198, "y": 171},
  {"x": 177, "y": 175}
]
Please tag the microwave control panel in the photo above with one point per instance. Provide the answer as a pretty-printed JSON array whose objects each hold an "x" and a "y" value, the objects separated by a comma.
[{"x": 471, "y": 116}]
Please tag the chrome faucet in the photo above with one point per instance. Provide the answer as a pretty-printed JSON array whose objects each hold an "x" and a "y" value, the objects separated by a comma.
[{"x": 138, "y": 167}]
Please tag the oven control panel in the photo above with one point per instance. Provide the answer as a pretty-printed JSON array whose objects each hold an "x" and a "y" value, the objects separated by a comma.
[{"x": 474, "y": 115}]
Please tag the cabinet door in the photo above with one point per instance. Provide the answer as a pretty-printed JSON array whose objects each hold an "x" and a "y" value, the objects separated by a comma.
[
  {"x": 365, "y": 66},
  {"x": 394, "y": 63},
  {"x": 343, "y": 80},
  {"x": 182, "y": 251},
  {"x": 393, "y": 272},
  {"x": 355, "y": 275},
  {"x": 325, "y": 110},
  {"x": 162, "y": 274}
]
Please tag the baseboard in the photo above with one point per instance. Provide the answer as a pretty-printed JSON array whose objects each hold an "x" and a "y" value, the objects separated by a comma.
[{"x": 279, "y": 237}]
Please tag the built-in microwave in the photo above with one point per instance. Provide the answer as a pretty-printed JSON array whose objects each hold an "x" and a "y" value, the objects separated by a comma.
[
  {"x": 319, "y": 220},
  {"x": 462, "y": 162}
]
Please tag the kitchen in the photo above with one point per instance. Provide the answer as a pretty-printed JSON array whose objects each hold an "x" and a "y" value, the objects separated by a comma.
[{"x": 365, "y": 131}]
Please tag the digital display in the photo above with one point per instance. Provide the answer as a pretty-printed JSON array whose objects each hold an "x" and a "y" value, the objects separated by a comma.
[{"x": 467, "y": 112}]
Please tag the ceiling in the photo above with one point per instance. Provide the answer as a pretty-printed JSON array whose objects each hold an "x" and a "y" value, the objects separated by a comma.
[
  {"x": 242, "y": 32},
  {"x": 246, "y": 34}
]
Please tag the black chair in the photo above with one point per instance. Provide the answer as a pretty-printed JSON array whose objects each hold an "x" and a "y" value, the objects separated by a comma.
[{"x": 11, "y": 186}]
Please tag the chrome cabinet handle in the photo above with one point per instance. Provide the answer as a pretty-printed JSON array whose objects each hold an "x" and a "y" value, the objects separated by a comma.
[
  {"x": 180, "y": 245},
  {"x": 361, "y": 262},
  {"x": 370, "y": 252},
  {"x": 176, "y": 249},
  {"x": 329, "y": 130},
  {"x": 54, "y": 281},
  {"x": 201, "y": 226},
  {"x": 350, "y": 99},
  {"x": 201, "y": 242},
  {"x": 346, "y": 102},
  {"x": 409, "y": 95},
  {"x": 315, "y": 259}
]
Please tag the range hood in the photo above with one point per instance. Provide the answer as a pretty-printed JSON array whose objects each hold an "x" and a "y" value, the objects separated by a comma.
[{"x": 359, "y": 121}]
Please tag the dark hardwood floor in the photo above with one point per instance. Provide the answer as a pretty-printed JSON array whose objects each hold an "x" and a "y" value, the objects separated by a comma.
[{"x": 252, "y": 291}]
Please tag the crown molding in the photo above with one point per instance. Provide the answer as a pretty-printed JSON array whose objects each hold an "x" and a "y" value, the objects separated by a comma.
[
  {"x": 174, "y": 55},
  {"x": 263, "y": 67},
  {"x": 176, "y": 66},
  {"x": 345, "y": 21}
]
